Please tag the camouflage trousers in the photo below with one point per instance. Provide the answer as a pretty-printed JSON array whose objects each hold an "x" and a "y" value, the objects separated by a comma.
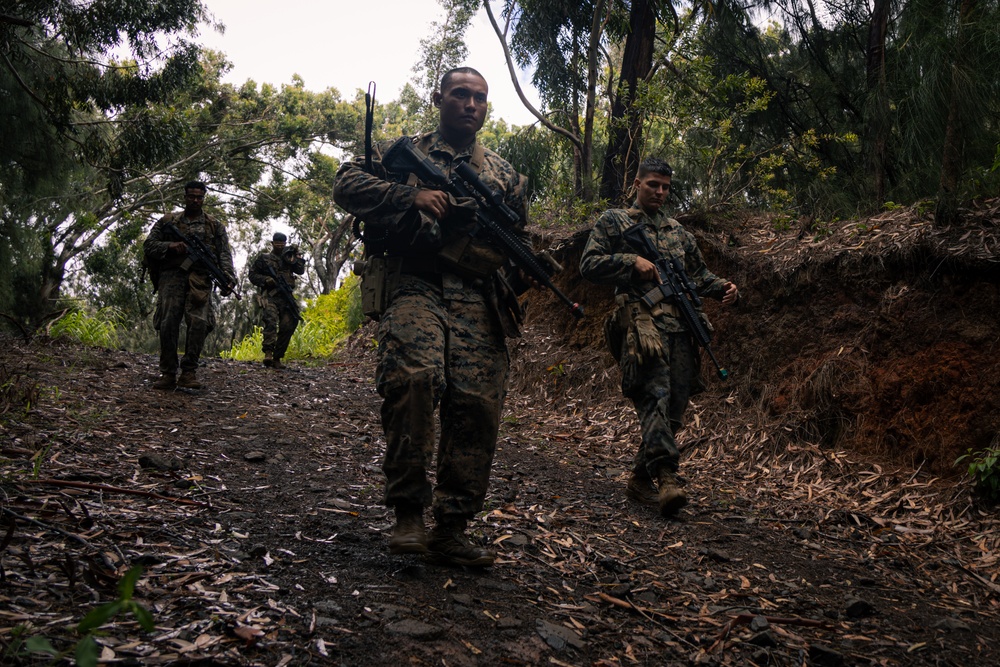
[
  {"x": 279, "y": 325},
  {"x": 182, "y": 298},
  {"x": 660, "y": 393},
  {"x": 439, "y": 356}
]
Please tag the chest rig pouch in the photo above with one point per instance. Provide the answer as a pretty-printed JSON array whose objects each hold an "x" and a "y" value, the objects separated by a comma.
[
  {"x": 471, "y": 256},
  {"x": 463, "y": 251}
]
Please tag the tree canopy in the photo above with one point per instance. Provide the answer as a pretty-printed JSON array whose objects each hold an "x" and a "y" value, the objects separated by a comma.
[{"x": 810, "y": 110}]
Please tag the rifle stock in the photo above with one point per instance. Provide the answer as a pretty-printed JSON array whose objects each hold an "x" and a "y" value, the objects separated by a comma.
[
  {"x": 492, "y": 214},
  {"x": 201, "y": 253},
  {"x": 675, "y": 287}
]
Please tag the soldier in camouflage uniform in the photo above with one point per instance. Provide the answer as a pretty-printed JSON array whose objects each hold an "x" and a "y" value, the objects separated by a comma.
[
  {"x": 441, "y": 339},
  {"x": 280, "y": 317},
  {"x": 657, "y": 354},
  {"x": 185, "y": 290}
]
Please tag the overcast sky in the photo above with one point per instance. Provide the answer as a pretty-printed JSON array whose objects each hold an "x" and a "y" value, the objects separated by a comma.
[{"x": 344, "y": 44}]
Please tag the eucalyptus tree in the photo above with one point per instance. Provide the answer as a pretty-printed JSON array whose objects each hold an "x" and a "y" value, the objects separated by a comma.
[
  {"x": 67, "y": 125},
  {"x": 126, "y": 134},
  {"x": 625, "y": 119},
  {"x": 442, "y": 49},
  {"x": 947, "y": 96},
  {"x": 915, "y": 81},
  {"x": 564, "y": 40}
]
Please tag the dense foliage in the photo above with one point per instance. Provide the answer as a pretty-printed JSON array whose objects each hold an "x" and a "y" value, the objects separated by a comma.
[
  {"x": 810, "y": 110},
  {"x": 804, "y": 108},
  {"x": 326, "y": 321}
]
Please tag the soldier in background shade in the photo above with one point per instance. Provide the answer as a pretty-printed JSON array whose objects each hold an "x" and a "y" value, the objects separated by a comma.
[
  {"x": 185, "y": 288},
  {"x": 280, "y": 315}
]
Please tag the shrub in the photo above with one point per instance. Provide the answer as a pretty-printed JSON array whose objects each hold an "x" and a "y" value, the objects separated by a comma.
[
  {"x": 99, "y": 329},
  {"x": 984, "y": 469},
  {"x": 327, "y": 320},
  {"x": 247, "y": 349}
]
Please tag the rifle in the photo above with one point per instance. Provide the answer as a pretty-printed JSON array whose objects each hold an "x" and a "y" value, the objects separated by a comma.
[
  {"x": 285, "y": 291},
  {"x": 491, "y": 212},
  {"x": 198, "y": 252},
  {"x": 675, "y": 287}
]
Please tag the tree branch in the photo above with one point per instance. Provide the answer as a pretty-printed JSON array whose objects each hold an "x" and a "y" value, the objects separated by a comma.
[{"x": 575, "y": 139}]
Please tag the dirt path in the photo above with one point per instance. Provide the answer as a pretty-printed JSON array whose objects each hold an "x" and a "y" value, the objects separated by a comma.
[{"x": 253, "y": 507}]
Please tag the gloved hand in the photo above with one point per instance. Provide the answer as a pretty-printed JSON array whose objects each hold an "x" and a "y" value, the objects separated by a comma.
[
  {"x": 178, "y": 248},
  {"x": 269, "y": 282}
]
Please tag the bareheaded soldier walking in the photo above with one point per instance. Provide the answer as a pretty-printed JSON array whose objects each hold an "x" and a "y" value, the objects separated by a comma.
[
  {"x": 441, "y": 336},
  {"x": 184, "y": 286},
  {"x": 273, "y": 273},
  {"x": 657, "y": 353}
]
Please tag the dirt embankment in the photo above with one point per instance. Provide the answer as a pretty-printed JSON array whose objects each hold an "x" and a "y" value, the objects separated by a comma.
[{"x": 879, "y": 336}]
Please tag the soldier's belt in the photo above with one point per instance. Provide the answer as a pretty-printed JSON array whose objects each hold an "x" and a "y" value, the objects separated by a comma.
[
  {"x": 664, "y": 309},
  {"x": 655, "y": 310},
  {"x": 420, "y": 265}
]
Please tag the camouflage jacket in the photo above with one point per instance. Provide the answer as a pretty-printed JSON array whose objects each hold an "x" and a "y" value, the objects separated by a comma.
[
  {"x": 609, "y": 260},
  {"x": 283, "y": 269},
  {"x": 384, "y": 201},
  {"x": 205, "y": 227}
]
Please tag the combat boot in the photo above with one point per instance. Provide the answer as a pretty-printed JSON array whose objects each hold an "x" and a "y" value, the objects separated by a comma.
[
  {"x": 408, "y": 535},
  {"x": 641, "y": 489},
  {"x": 188, "y": 380},
  {"x": 167, "y": 381},
  {"x": 276, "y": 364},
  {"x": 448, "y": 544},
  {"x": 671, "y": 496},
  {"x": 269, "y": 358}
]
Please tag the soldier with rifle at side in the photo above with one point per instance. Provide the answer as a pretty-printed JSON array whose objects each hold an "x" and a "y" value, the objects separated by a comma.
[
  {"x": 444, "y": 289},
  {"x": 659, "y": 275},
  {"x": 273, "y": 273},
  {"x": 188, "y": 255}
]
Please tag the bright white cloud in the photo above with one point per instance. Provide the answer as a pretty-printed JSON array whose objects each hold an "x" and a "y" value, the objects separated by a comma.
[{"x": 344, "y": 44}]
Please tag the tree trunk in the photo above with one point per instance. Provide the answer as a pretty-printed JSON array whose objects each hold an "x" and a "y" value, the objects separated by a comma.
[
  {"x": 878, "y": 99},
  {"x": 954, "y": 134},
  {"x": 621, "y": 160}
]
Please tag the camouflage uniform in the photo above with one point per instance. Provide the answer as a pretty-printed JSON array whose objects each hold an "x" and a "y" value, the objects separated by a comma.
[
  {"x": 280, "y": 321},
  {"x": 659, "y": 387},
  {"x": 185, "y": 294},
  {"x": 441, "y": 339}
]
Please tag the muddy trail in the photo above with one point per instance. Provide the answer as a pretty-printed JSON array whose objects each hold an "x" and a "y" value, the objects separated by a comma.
[{"x": 253, "y": 506}]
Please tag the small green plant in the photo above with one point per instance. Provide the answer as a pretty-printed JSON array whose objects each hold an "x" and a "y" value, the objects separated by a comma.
[
  {"x": 99, "y": 329},
  {"x": 984, "y": 469},
  {"x": 38, "y": 459},
  {"x": 85, "y": 652},
  {"x": 557, "y": 370},
  {"x": 248, "y": 348},
  {"x": 782, "y": 223},
  {"x": 892, "y": 206}
]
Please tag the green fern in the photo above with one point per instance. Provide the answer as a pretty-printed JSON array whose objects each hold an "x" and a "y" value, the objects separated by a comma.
[{"x": 99, "y": 329}]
